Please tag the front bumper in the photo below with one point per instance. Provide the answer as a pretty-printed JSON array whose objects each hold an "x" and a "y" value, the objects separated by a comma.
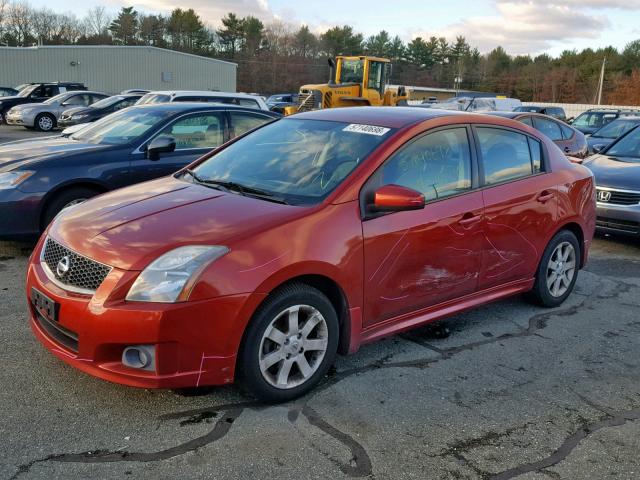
[
  {"x": 19, "y": 214},
  {"x": 618, "y": 218},
  {"x": 21, "y": 118},
  {"x": 64, "y": 122},
  {"x": 195, "y": 343}
]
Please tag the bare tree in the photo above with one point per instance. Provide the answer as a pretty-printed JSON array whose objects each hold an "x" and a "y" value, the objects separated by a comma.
[
  {"x": 97, "y": 21},
  {"x": 19, "y": 22}
]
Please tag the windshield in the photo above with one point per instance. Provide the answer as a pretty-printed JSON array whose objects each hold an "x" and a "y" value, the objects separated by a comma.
[
  {"x": 121, "y": 127},
  {"x": 58, "y": 98},
  {"x": 352, "y": 71},
  {"x": 299, "y": 160},
  {"x": 615, "y": 129},
  {"x": 153, "y": 98},
  {"x": 106, "y": 102},
  {"x": 26, "y": 91},
  {"x": 627, "y": 146}
]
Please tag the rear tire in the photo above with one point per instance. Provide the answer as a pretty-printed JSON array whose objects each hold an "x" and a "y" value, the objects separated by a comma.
[
  {"x": 65, "y": 199},
  {"x": 45, "y": 122},
  {"x": 558, "y": 270},
  {"x": 289, "y": 345}
]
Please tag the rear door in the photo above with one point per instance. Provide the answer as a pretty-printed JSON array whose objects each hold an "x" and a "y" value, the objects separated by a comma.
[
  {"x": 195, "y": 134},
  {"x": 520, "y": 204},
  {"x": 420, "y": 258},
  {"x": 552, "y": 129}
]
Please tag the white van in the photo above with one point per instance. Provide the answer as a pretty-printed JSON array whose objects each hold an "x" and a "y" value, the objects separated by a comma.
[{"x": 243, "y": 99}]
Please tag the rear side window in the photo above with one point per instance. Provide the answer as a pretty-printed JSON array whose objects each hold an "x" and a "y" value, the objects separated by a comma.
[
  {"x": 550, "y": 128},
  {"x": 437, "y": 165},
  {"x": 505, "y": 155},
  {"x": 242, "y": 122},
  {"x": 567, "y": 132}
]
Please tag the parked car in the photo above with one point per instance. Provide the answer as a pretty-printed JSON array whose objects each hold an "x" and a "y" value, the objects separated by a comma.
[
  {"x": 36, "y": 93},
  {"x": 96, "y": 111},
  {"x": 278, "y": 102},
  {"x": 314, "y": 234},
  {"x": 617, "y": 175},
  {"x": 570, "y": 140},
  {"x": 594, "y": 119},
  {"x": 241, "y": 99},
  {"x": 555, "y": 112},
  {"x": 603, "y": 137},
  {"x": 44, "y": 116},
  {"x": 8, "y": 92},
  {"x": 40, "y": 178}
]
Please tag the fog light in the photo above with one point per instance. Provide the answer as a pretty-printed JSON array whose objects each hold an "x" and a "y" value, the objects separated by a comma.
[{"x": 141, "y": 357}]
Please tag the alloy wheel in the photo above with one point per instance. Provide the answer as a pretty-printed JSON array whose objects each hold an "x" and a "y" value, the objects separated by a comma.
[
  {"x": 293, "y": 346},
  {"x": 45, "y": 123},
  {"x": 561, "y": 269}
]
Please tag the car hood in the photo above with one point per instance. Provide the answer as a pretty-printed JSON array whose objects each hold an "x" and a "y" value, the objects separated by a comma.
[
  {"x": 592, "y": 141},
  {"x": 614, "y": 172},
  {"x": 22, "y": 153},
  {"x": 27, "y": 106},
  {"x": 130, "y": 227}
]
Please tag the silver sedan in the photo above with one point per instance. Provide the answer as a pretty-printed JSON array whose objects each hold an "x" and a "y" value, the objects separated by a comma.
[{"x": 44, "y": 116}]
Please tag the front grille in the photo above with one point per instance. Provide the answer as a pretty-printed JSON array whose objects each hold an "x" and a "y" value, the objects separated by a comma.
[
  {"x": 82, "y": 274},
  {"x": 620, "y": 197},
  {"x": 621, "y": 225},
  {"x": 64, "y": 337}
]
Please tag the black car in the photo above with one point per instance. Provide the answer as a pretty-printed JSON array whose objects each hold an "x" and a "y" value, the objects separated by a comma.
[
  {"x": 40, "y": 177},
  {"x": 555, "y": 112},
  {"x": 96, "y": 111},
  {"x": 36, "y": 93},
  {"x": 8, "y": 92},
  {"x": 596, "y": 118}
]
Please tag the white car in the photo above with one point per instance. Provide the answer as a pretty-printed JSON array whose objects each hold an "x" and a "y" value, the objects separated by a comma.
[{"x": 242, "y": 99}]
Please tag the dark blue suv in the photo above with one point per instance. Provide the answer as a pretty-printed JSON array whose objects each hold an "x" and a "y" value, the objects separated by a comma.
[{"x": 39, "y": 178}]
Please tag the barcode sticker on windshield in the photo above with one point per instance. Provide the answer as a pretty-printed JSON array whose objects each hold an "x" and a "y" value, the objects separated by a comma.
[{"x": 368, "y": 129}]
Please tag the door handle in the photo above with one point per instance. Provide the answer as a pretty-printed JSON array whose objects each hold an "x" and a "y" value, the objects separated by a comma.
[
  {"x": 469, "y": 219},
  {"x": 545, "y": 196}
]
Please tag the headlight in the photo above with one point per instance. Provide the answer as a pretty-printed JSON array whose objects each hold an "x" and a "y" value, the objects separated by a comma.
[
  {"x": 170, "y": 277},
  {"x": 13, "y": 179},
  {"x": 80, "y": 115}
]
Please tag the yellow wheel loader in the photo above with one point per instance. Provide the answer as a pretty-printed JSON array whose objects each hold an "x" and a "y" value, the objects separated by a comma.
[{"x": 353, "y": 82}]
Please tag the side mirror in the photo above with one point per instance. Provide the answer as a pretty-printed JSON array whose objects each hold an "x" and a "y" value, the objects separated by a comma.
[
  {"x": 395, "y": 198},
  {"x": 597, "y": 148},
  {"x": 158, "y": 145}
]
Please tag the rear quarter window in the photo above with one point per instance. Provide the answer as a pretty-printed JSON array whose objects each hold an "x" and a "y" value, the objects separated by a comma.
[{"x": 507, "y": 155}]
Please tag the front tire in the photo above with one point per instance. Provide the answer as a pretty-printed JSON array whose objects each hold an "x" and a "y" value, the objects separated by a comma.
[
  {"x": 45, "y": 122},
  {"x": 66, "y": 199},
  {"x": 289, "y": 345},
  {"x": 558, "y": 270}
]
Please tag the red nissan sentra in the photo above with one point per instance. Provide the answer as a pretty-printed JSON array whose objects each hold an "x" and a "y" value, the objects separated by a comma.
[{"x": 307, "y": 237}]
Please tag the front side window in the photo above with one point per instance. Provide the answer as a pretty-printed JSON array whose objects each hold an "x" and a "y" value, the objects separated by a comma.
[
  {"x": 300, "y": 160},
  {"x": 205, "y": 130},
  {"x": 437, "y": 165},
  {"x": 78, "y": 100},
  {"x": 352, "y": 71},
  {"x": 548, "y": 127},
  {"x": 242, "y": 122},
  {"x": 505, "y": 155},
  {"x": 594, "y": 119}
]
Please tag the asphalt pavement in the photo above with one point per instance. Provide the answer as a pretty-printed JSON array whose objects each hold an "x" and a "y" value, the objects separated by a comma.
[{"x": 507, "y": 391}]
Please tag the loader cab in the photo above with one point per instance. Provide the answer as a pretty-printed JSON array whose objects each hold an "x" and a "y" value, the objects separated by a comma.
[{"x": 371, "y": 73}]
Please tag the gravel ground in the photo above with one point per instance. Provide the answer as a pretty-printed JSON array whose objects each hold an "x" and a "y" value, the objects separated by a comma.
[{"x": 506, "y": 391}]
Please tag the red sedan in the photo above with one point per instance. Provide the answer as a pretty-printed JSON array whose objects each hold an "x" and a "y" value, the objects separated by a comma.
[{"x": 304, "y": 238}]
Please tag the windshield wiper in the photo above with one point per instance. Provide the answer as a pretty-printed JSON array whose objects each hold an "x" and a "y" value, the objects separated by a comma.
[{"x": 237, "y": 187}]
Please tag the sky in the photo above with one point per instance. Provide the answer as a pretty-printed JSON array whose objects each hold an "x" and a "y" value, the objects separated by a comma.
[{"x": 520, "y": 26}]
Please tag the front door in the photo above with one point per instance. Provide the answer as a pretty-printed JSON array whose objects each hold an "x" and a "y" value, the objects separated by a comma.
[{"x": 416, "y": 259}]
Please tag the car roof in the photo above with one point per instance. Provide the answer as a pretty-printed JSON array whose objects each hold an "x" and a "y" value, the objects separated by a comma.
[
  {"x": 390, "y": 117},
  {"x": 208, "y": 93},
  {"x": 197, "y": 106}
]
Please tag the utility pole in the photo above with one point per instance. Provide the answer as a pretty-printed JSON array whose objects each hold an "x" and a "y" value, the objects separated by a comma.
[{"x": 601, "y": 82}]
